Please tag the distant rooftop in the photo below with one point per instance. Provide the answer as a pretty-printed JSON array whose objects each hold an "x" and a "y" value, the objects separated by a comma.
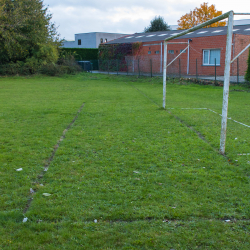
[
  {"x": 242, "y": 22},
  {"x": 173, "y": 27},
  {"x": 161, "y": 35}
]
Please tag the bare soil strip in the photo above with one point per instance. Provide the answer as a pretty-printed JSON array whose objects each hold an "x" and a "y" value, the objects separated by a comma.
[
  {"x": 46, "y": 167},
  {"x": 181, "y": 121}
]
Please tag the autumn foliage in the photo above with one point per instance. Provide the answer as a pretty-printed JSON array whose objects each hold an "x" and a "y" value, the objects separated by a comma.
[{"x": 200, "y": 15}]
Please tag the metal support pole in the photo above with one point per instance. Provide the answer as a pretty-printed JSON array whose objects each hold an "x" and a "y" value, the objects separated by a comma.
[
  {"x": 117, "y": 66},
  {"x": 238, "y": 70},
  {"x": 164, "y": 74},
  {"x": 188, "y": 59},
  {"x": 179, "y": 67},
  {"x": 161, "y": 59},
  {"x": 226, "y": 84},
  {"x": 151, "y": 67},
  {"x": 215, "y": 71},
  {"x": 108, "y": 66},
  {"x": 196, "y": 70},
  {"x": 139, "y": 66}
]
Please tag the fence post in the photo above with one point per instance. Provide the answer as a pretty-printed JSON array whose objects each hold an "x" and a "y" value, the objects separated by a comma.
[
  {"x": 215, "y": 70},
  {"x": 139, "y": 66},
  {"x": 196, "y": 70},
  {"x": 179, "y": 67},
  {"x": 108, "y": 66},
  {"x": 238, "y": 70},
  {"x": 117, "y": 66},
  {"x": 151, "y": 66}
]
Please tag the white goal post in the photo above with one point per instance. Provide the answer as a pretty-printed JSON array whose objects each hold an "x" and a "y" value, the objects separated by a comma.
[{"x": 230, "y": 16}]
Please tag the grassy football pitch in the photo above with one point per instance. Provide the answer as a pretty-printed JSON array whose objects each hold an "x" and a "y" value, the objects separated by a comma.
[{"x": 94, "y": 162}]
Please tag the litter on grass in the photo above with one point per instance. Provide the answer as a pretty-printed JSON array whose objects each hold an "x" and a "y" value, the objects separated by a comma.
[
  {"x": 25, "y": 219},
  {"x": 136, "y": 172},
  {"x": 32, "y": 191},
  {"x": 95, "y": 221},
  {"x": 244, "y": 154},
  {"x": 227, "y": 220},
  {"x": 46, "y": 194},
  {"x": 19, "y": 169}
]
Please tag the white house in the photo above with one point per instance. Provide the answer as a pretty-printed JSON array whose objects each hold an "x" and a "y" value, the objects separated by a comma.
[{"x": 91, "y": 40}]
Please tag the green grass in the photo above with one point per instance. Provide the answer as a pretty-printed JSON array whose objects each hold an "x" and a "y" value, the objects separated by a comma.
[{"x": 148, "y": 179}]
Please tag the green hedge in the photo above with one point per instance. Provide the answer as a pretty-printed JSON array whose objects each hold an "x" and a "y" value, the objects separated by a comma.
[{"x": 82, "y": 54}]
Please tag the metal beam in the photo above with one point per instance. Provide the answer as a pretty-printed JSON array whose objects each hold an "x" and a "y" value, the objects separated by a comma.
[
  {"x": 164, "y": 75},
  {"x": 241, "y": 53},
  {"x": 216, "y": 19},
  {"x": 242, "y": 14}
]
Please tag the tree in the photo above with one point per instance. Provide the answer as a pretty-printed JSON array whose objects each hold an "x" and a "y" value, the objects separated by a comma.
[
  {"x": 200, "y": 15},
  {"x": 26, "y": 33},
  {"x": 247, "y": 75},
  {"x": 157, "y": 24}
]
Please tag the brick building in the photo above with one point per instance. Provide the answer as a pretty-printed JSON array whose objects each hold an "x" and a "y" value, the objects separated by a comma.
[{"x": 207, "y": 46}]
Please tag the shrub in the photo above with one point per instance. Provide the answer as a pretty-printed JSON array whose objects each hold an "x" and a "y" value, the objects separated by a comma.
[
  {"x": 42, "y": 63},
  {"x": 81, "y": 54},
  {"x": 65, "y": 65}
]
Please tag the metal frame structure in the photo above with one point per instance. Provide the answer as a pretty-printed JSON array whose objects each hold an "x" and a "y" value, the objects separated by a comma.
[
  {"x": 180, "y": 52},
  {"x": 228, "y": 62}
]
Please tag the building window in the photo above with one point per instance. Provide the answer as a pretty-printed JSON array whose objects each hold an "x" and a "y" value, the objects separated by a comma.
[
  {"x": 183, "y": 51},
  {"x": 171, "y": 52},
  {"x": 209, "y": 56},
  {"x": 157, "y": 52},
  {"x": 149, "y": 52},
  {"x": 106, "y": 40},
  {"x": 79, "y": 42},
  {"x": 101, "y": 40}
]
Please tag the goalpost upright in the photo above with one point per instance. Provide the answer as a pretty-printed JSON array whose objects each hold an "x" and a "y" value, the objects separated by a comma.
[{"x": 228, "y": 15}]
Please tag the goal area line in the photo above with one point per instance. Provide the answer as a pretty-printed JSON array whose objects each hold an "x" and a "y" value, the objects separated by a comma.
[{"x": 229, "y": 118}]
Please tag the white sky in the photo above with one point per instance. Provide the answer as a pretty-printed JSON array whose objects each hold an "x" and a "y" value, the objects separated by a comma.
[{"x": 126, "y": 16}]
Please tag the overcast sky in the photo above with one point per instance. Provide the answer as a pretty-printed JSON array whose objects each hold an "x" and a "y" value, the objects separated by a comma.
[{"x": 126, "y": 16}]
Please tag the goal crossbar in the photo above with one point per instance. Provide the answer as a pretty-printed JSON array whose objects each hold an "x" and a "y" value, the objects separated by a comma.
[{"x": 199, "y": 26}]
